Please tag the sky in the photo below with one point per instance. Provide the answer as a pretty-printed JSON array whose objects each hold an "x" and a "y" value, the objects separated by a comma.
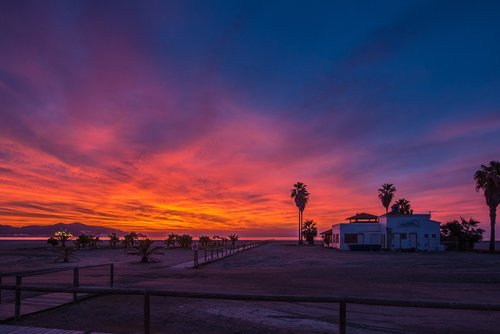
[{"x": 199, "y": 116}]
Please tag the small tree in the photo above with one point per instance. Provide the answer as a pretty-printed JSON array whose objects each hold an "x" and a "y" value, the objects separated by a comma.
[
  {"x": 144, "y": 248},
  {"x": 402, "y": 206},
  {"x": 82, "y": 241},
  {"x": 171, "y": 240},
  {"x": 185, "y": 240},
  {"x": 94, "y": 241},
  {"x": 65, "y": 253},
  {"x": 309, "y": 231},
  {"x": 62, "y": 237},
  {"x": 204, "y": 240},
  {"x": 233, "y": 238},
  {"x": 464, "y": 234},
  {"x": 130, "y": 239},
  {"x": 113, "y": 240},
  {"x": 52, "y": 241}
]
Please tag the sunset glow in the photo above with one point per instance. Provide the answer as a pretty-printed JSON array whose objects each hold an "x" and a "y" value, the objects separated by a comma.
[{"x": 199, "y": 117}]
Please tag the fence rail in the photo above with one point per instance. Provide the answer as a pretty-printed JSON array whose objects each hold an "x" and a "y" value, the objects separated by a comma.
[
  {"x": 76, "y": 278},
  {"x": 212, "y": 254},
  {"x": 342, "y": 301}
]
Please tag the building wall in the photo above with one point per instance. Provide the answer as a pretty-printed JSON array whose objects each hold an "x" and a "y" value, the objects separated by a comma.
[
  {"x": 357, "y": 234},
  {"x": 412, "y": 232}
]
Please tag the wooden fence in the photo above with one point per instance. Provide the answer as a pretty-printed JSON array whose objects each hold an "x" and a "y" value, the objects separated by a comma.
[
  {"x": 213, "y": 254},
  {"x": 76, "y": 280},
  {"x": 342, "y": 301}
]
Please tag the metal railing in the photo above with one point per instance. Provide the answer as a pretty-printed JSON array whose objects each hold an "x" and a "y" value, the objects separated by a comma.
[
  {"x": 342, "y": 301},
  {"x": 76, "y": 279},
  {"x": 212, "y": 254}
]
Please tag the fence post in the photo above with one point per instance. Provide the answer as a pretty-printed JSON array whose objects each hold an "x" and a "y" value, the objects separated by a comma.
[
  {"x": 111, "y": 274},
  {"x": 146, "y": 313},
  {"x": 76, "y": 282},
  {"x": 342, "y": 317},
  {"x": 195, "y": 260},
  {"x": 17, "y": 308}
]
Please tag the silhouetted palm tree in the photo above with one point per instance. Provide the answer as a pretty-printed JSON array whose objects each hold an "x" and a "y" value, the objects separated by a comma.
[
  {"x": 130, "y": 239},
  {"x": 386, "y": 194},
  {"x": 172, "y": 238},
  {"x": 301, "y": 197},
  {"x": 463, "y": 234},
  {"x": 144, "y": 249},
  {"x": 404, "y": 206},
  {"x": 185, "y": 240},
  {"x": 204, "y": 240},
  {"x": 310, "y": 231},
  {"x": 82, "y": 241},
  {"x": 488, "y": 179},
  {"x": 233, "y": 238},
  {"x": 113, "y": 239}
]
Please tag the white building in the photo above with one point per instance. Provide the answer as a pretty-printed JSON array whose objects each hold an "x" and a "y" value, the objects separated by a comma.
[
  {"x": 363, "y": 232},
  {"x": 390, "y": 231},
  {"x": 415, "y": 231}
]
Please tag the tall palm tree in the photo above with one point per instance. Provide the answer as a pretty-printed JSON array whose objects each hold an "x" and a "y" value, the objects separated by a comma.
[
  {"x": 386, "y": 194},
  {"x": 488, "y": 179},
  {"x": 404, "y": 206},
  {"x": 301, "y": 197}
]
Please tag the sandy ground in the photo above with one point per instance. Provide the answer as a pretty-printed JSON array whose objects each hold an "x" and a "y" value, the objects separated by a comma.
[{"x": 276, "y": 268}]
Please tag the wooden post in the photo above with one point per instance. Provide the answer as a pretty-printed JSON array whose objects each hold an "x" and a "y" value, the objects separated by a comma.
[
  {"x": 195, "y": 260},
  {"x": 342, "y": 317},
  {"x": 76, "y": 282},
  {"x": 146, "y": 313},
  {"x": 111, "y": 274},
  {"x": 17, "y": 308}
]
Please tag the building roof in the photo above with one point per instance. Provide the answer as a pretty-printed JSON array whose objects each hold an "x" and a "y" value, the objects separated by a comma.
[
  {"x": 362, "y": 216},
  {"x": 390, "y": 214},
  {"x": 327, "y": 232}
]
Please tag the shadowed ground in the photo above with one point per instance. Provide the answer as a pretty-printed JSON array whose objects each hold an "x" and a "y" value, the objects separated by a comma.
[{"x": 283, "y": 268}]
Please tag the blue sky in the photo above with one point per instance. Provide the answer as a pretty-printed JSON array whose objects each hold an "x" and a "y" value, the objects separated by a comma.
[{"x": 238, "y": 100}]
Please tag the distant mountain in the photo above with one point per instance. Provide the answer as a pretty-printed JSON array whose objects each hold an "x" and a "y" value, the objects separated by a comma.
[{"x": 48, "y": 230}]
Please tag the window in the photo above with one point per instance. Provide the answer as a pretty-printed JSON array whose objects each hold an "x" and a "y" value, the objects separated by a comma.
[
  {"x": 433, "y": 235},
  {"x": 336, "y": 238},
  {"x": 351, "y": 238},
  {"x": 426, "y": 236},
  {"x": 403, "y": 236}
]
